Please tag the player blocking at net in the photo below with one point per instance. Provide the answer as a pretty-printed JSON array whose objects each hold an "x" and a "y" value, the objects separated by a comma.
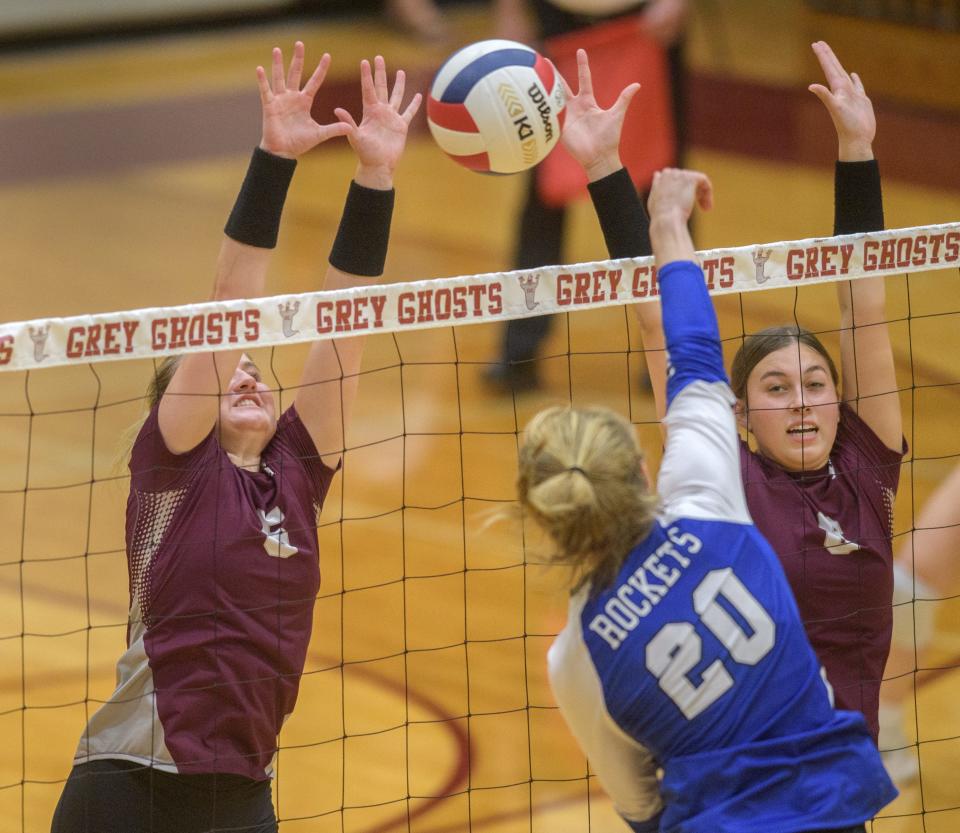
[
  {"x": 823, "y": 467},
  {"x": 683, "y": 650},
  {"x": 221, "y": 516}
]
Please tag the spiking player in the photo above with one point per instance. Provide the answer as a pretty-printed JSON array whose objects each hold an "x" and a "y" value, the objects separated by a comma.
[{"x": 684, "y": 650}]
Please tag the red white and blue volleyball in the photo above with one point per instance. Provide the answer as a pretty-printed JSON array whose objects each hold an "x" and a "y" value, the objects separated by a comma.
[{"x": 496, "y": 106}]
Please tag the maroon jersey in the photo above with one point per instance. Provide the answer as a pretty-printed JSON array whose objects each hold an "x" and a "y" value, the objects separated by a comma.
[
  {"x": 832, "y": 530},
  {"x": 224, "y": 572}
]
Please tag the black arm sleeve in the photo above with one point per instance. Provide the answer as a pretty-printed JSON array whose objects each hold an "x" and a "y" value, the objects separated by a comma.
[
  {"x": 623, "y": 220},
  {"x": 255, "y": 218},
  {"x": 858, "y": 200},
  {"x": 360, "y": 247}
]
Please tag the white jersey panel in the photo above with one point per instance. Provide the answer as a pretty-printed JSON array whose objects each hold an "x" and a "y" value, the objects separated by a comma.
[
  {"x": 127, "y": 726},
  {"x": 700, "y": 473},
  {"x": 626, "y": 769}
]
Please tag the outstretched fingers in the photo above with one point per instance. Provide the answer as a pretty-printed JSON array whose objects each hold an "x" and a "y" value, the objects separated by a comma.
[
  {"x": 319, "y": 74},
  {"x": 345, "y": 118},
  {"x": 412, "y": 108},
  {"x": 850, "y": 109},
  {"x": 380, "y": 78},
  {"x": 396, "y": 97},
  {"x": 368, "y": 93},
  {"x": 288, "y": 127},
  {"x": 585, "y": 83},
  {"x": 833, "y": 70},
  {"x": 375, "y": 90},
  {"x": 584, "y": 79},
  {"x": 279, "y": 84},
  {"x": 626, "y": 96},
  {"x": 296, "y": 67},
  {"x": 264, "y": 86},
  {"x": 838, "y": 81},
  {"x": 337, "y": 128},
  {"x": 822, "y": 93}
]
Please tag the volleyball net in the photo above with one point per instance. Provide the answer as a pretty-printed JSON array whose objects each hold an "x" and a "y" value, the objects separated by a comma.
[
  {"x": 463, "y": 300},
  {"x": 424, "y": 704}
]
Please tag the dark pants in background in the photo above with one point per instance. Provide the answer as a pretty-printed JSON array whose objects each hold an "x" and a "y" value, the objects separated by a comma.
[{"x": 541, "y": 227}]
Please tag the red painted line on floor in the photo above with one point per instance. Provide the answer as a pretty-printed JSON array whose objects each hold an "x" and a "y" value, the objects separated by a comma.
[{"x": 457, "y": 774}]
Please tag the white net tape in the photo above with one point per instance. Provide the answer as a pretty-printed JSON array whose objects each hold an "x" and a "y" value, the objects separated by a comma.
[{"x": 310, "y": 316}]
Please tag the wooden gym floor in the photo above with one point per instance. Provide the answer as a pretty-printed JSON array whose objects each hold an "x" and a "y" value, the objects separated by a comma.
[{"x": 424, "y": 703}]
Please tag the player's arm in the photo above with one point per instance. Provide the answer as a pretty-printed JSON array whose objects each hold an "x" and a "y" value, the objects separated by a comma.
[
  {"x": 512, "y": 21},
  {"x": 932, "y": 549},
  {"x": 626, "y": 769},
  {"x": 700, "y": 473},
  {"x": 664, "y": 20},
  {"x": 649, "y": 321},
  {"x": 866, "y": 355},
  {"x": 330, "y": 378},
  {"x": 592, "y": 137},
  {"x": 190, "y": 405}
]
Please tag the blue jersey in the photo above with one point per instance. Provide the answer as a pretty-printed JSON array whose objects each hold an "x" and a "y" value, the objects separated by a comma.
[{"x": 694, "y": 660}]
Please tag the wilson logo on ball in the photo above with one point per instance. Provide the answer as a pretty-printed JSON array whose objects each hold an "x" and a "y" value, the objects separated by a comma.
[{"x": 496, "y": 106}]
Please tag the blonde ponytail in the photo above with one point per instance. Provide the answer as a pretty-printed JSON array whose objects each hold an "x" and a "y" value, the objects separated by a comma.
[{"x": 582, "y": 480}]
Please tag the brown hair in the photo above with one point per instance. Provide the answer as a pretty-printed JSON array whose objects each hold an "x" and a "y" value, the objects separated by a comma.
[
  {"x": 162, "y": 374},
  {"x": 580, "y": 477},
  {"x": 758, "y": 346}
]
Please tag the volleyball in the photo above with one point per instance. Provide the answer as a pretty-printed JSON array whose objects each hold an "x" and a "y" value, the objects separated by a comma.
[{"x": 496, "y": 106}]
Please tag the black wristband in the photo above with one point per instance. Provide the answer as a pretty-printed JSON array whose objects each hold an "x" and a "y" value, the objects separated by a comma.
[
  {"x": 361, "y": 244},
  {"x": 255, "y": 219},
  {"x": 625, "y": 225},
  {"x": 858, "y": 199}
]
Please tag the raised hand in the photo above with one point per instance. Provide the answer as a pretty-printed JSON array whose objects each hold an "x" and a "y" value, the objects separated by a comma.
[
  {"x": 512, "y": 21},
  {"x": 672, "y": 197},
  {"x": 288, "y": 128},
  {"x": 590, "y": 133},
  {"x": 848, "y": 106},
  {"x": 381, "y": 136},
  {"x": 676, "y": 191}
]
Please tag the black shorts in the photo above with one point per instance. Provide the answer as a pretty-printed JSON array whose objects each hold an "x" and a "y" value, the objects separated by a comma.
[{"x": 115, "y": 796}]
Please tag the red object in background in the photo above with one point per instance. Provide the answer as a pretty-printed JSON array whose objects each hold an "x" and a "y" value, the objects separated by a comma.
[{"x": 620, "y": 53}]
